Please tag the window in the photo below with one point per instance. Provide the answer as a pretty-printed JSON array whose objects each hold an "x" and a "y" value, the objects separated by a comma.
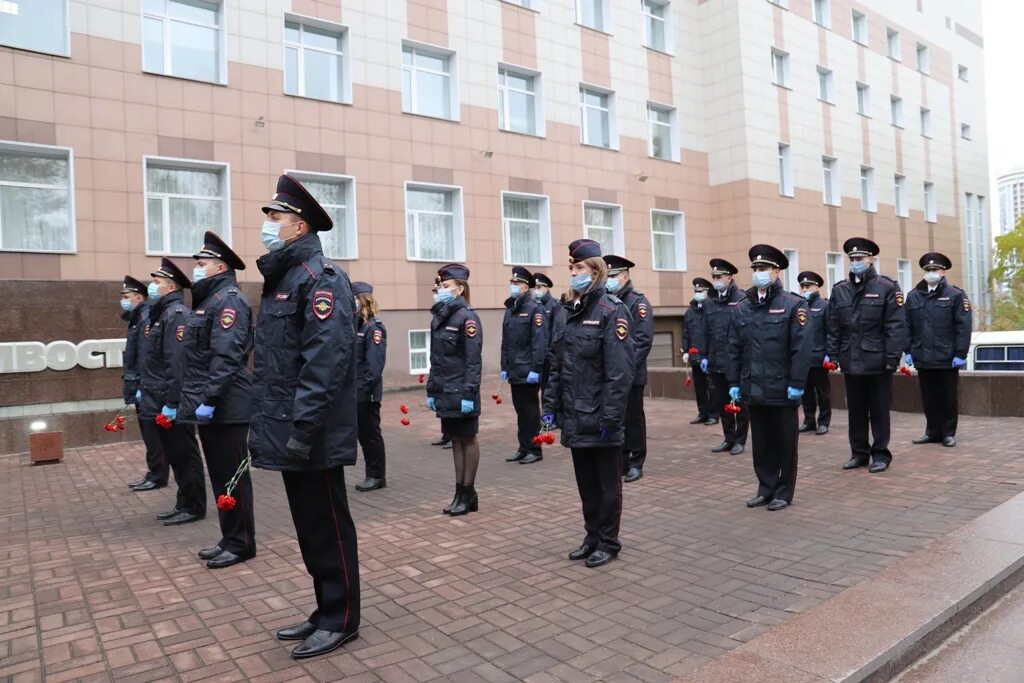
[
  {"x": 36, "y": 198},
  {"x": 868, "y": 202},
  {"x": 931, "y": 213},
  {"x": 419, "y": 351},
  {"x": 900, "y": 196},
  {"x": 595, "y": 14},
  {"x": 664, "y": 132},
  {"x": 37, "y": 25},
  {"x": 822, "y": 13},
  {"x": 785, "y": 171},
  {"x": 999, "y": 358},
  {"x": 184, "y": 38},
  {"x": 315, "y": 54},
  {"x": 826, "y": 85},
  {"x": 784, "y": 4},
  {"x": 863, "y": 99},
  {"x": 434, "y": 228},
  {"x": 597, "y": 126},
  {"x": 184, "y": 199},
  {"x": 896, "y": 111},
  {"x": 519, "y": 101},
  {"x": 963, "y": 73},
  {"x": 835, "y": 269},
  {"x": 791, "y": 281},
  {"x": 965, "y": 131},
  {"x": 528, "y": 4},
  {"x": 658, "y": 24},
  {"x": 830, "y": 181},
  {"x": 603, "y": 224},
  {"x": 860, "y": 28},
  {"x": 893, "y": 44},
  {"x": 780, "y": 68},
  {"x": 668, "y": 240},
  {"x": 926, "y": 122},
  {"x": 337, "y": 194},
  {"x": 903, "y": 274},
  {"x": 923, "y": 60},
  {"x": 428, "y": 86},
  {"x": 526, "y": 221}
]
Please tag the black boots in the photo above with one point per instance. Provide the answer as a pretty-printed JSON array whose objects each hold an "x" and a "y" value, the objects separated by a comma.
[
  {"x": 458, "y": 494},
  {"x": 465, "y": 501}
]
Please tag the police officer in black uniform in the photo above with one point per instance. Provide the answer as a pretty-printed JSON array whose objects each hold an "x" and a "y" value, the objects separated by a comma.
[
  {"x": 717, "y": 316},
  {"x": 818, "y": 393},
  {"x": 371, "y": 356},
  {"x": 304, "y": 418},
  {"x": 445, "y": 441},
  {"x": 523, "y": 352},
  {"x": 542, "y": 285},
  {"x": 940, "y": 320},
  {"x": 693, "y": 338},
  {"x": 161, "y": 389},
  {"x": 769, "y": 355},
  {"x": 591, "y": 377},
  {"x": 867, "y": 333},
  {"x": 216, "y": 391},
  {"x": 619, "y": 283},
  {"x": 136, "y": 313}
]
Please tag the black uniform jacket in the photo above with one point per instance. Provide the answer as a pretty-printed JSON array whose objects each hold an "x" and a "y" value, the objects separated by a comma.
[
  {"x": 134, "y": 358},
  {"x": 456, "y": 345},
  {"x": 940, "y": 325},
  {"x": 817, "y": 316},
  {"x": 549, "y": 305},
  {"x": 371, "y": 356},
  {"x": 218, "y": 341},
  {"x": 305, "y": 363},
  {"x": 867, "y": 324},
  {"x": 161, "y": 374},
  {"x": 693, "y": 331},
  {"x": 591, "y": 371},
  {"x": 524, "y": 340},
  {"x": 642, "y": 313},
  {"x": 718, "y": 312},
  {"x": 769, "y": 347}
]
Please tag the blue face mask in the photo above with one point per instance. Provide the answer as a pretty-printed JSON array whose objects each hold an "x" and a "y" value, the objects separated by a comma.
[
  {"x": 807, "y": 294},
  {"x": 581, "y": 282},
  {"x": 437, "y": 298},
  {"x": 445, "y": 296},
  {"x": 700, "y": 296},
  {"x": 538, "y": 295},
  {"x": 719, "y": 285},
  {"x": 514, "y": 291},
  {"x": 271, "y": 235},
  {"x": 153, "y": 291},
  {"x": 127, "y": 306},
  {"x": 612, "y": 285},
  {"x": 198, "y": 274},
  {"x": 762, "y": 279},
  {"x": 858, "y": 267}
]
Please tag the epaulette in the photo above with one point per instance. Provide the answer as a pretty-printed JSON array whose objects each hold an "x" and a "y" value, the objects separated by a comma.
[{"x": 615, "y": 299}]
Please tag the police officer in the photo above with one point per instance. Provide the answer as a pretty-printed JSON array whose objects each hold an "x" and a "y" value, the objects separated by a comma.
[
  {"x": 304, "y": 424},
  {"x": 867, "y": 333},
  {"x": 693, "y": 338},
  {"x": 939, "y": 317},
  {"x": 591, "y": 377},
  {"x": 619, "y": 283},
  {"x": 769, "y": 355},
  {"x": 216, "y": 391},
  {"x": 717, "y": 316},
  {"x": 523, "y": 352},
  {"x": 445, "y": 441},
  {"x": 453, "y": 387},
  {"x": 542, "y": 285},
  {"x": 371, "y": 356},
  {"x": 818, "y": 393},
  {"x": 136, "y": 313},
  {"x": 161, "y": 389}
]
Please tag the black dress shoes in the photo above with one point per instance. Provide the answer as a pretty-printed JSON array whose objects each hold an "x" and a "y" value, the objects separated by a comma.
[
  {"x": 822, "y": 429},
  {"x": 182, "y": 518},
  {"x": 447, "y": 446},
  {"x": 228, "y": 558},
  {"x": 711, "y": 421},
  {"x": 210, "y": 553},
  {"x": 633, "y": 474},
  {"x": 737, "y": 448},
  {"x": 757, "y": 501},
  {"x": 167, "y": 515},
  {"x": 777, "y": 504},
  {"x": 516, "y": 458},
  {"x": 441, "y": 442},
  {"x": 581, "y": 553},
  {"x": 854, "y": 463},
  {"x": 320, "y": 642},
  {"x": 807, "y": 427},
  {"x": 877, "y": 467},
  {"x": 371, "y": 484},
  {"x": 146, "y": 486},
  {"x": 531, "y": 458},
  {"x": 296, "y": 632},
  {"x": 722, "y": 447},
  {"x": 925, "y": 438},
  {"x": 949, "y": 442},
  {"x": 599, "y": 558},
  {"x": 137, "y": 483},
  {"x": 700, "y": 419}
]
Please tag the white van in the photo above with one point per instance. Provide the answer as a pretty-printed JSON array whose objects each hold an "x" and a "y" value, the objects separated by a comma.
[{"x": 996, "y": 352}]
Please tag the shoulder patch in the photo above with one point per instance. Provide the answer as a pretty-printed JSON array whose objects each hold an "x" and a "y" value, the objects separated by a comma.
[
  {"x": 538, "y": 319},
  {"x": 378, "y": 337},
  {"x": 227, "y": 318},
  {"x": 145, "y": 331},
  {"x": 621, "y": 329},
  {"x": 179, "y": 333},
  {"x": 471, "y": 328},
  {"x": 801, "y": 316},
  {"x": 641, "y": 310},
  {"x": 323, "y": 304},
  {"x": 967, "y": 304},
  {"x": 900, "y": 298}
]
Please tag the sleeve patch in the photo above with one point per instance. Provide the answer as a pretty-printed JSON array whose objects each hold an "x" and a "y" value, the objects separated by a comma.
[
  {"x": 377, "y": 337},
  {"x": 227, "y": 318},
  {"x": 323, "y": 304},
  {"x": 621, "y": 329},
  {"x": 801, "y": 316},
  {"x": 179, "y": 333},
  {"x": 471, "y": 328},
  {"x": 145, "y": 331},
  {"x": 642, "y": 310},
  {"x": 899, "y": 298},
  {"x": 538, "y": 319},
  {"x": 967, "y": 304}
]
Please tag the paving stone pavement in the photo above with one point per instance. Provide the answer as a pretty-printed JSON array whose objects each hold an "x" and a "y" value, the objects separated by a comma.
[{"x": 93, "y": 588}]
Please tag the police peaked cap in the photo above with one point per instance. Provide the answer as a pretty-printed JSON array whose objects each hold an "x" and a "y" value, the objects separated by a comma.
[
  {"x": 719, "y": 266},
  {"x": 292, "y": 197},
  {"x": 860, "y": 246},
  {"x": 215, "y": 247},
  {"x": 701, "y": 283},
  {"x": 934, "y": 259},
  {"x": 133, "y": 286},
  {"x": 582, "y": 249},
  {"x": 809, "y": 277},
  {"x": 616, "y": 263},
  {"x": 453, "y": 271},
  {"x": 362, "y": 288},
  {"x": 520, "y": 274},
  {"x": 170, "y": 270},
  {"x": 542, "y": 279},
  {"x": 767, "y": 255}
]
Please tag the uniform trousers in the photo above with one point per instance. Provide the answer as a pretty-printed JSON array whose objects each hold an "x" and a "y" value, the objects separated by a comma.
[
  {"x": 526, "y": 401},
  {"x": 939, "y": 400},
  {"x": 734, "y": 427},
  {"x": 370, "y": 438},
  {"x": 156, "y": 461},
  {"x": 774, "y": 432},
  {"x": 868, "y": 399},
  {"x": 327, "y": 539},
  {"x": 182, "y": 450},
  {"x": 225, "y": 447},
  {"x": 599, "y": 482},
  {"x": 817, "y": 398},
  {"x": 634, "y": 452},
  {"x": 705, "y": 408}
]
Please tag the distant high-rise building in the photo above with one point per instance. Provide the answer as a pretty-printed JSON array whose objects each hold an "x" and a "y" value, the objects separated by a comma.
[{"x": 1011, "y": 199}]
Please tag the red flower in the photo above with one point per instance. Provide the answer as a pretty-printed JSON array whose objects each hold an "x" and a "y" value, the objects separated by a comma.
[
  {"x": 163, "y": 421},
  {"x": 405, "y": 422},
  {"x": 404, "y": 408},
  {"x": 693, "y": 350},
  {"x": 225, "y": 502},
  {"x": 732, "y": 408},
  {"x": 494, "y": 396},
  {"x": 829, "y": 365},
  {"x": 422, "y": 379},
  {"x": 688, "y": 381},
  {"x": 905, "y": 371},
  {"x": 549, "y": 438},
  {"x": 538, "y": 440},
  {"x": 108, "y": 428},
  {"x": 498, "y": 400}
]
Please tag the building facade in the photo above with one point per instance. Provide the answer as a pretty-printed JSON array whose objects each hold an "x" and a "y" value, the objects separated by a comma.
[
  {"x": 1011, "y": 200},
  {"x": 492, "y": 132}
]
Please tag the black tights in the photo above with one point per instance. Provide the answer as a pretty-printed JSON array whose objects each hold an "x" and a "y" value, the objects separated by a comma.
[{"x": 466, "y": 451}]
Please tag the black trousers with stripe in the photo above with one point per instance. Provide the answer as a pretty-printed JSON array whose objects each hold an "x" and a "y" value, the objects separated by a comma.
[{"x": 224, "y": 447}]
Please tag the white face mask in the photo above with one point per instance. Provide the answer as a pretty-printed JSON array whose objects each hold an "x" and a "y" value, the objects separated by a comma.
[
  {"x": 271, "y": 235},
  {"x": 932, "y": 277}
]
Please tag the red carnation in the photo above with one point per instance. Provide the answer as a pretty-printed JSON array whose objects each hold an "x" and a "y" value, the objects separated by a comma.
[
  {"x": 829, "y": 365},
  {"x": 538, "y": 440},
  {"x": 494, "y": 396},
  {"x": 163, "y": 421},
  {"x": 693, "y": 350},
  {"x": 498, "y": 400},
  {"x": 905, "y": 371},
  {"x": 405, "y": 422},
  {"x": 225, "y": 502},
  {"x": 688, "y": 381},
  {"x": 404, "y": 408},
  {"x": 549, "y": 438},
  {"x": 422, "y": 379}
]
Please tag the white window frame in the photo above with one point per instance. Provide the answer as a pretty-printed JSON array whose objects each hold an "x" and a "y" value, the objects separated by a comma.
[
  {"x": 830, "y": 187},
  {"x": 66, "y": 52},
  {"x": 896, "y": 111},
  {"x": 900, "y": 204},
  {"x": 864, "y": 99},
  {"x": 931, "y": 209},
  {"x": 904, "y": 274},
  {"x": 780, "y": 67},
  {"x": 868, "y": 197},
  {"x": 345, "y": 94},
  {"x": 412, "y": 350},
  {"x": 785, "y": 160},
  {"x": 924, "y": 61},
  {"x": 893, "y": 44},
  {"x": 544, "y": 229},
  {"x": 963, "y": 73},
  {"x": 222, "y": 44},
  {"x": 458, "y": 220},
  {"x": 821, "y": 10},
  {"x": 965, "y": 131},
  {"x": 438, "y": 52},
  {"x": 859, "y": 27},
  {"x": 613, "y": 128},
  {"x": 680, "y": 224},
  {"x": 926, "y": 122},
  {"x": 826, "y": 85},
  {"x": 835, "y": 269},
  {"x": 667, "y": 25},
  {"x": 55, "y": 151},
  {"x": 606, "y": 16},
  {"x": 351, "y": 217},
  {"x": 784, "y": 4},
  {"x": 183, "y": 164},
  {"x": 792, "y": 273},
  {"x": 618, "y": 236},
  {"x": 540, "y": 129},
  {"x": 673, "y": 131}
]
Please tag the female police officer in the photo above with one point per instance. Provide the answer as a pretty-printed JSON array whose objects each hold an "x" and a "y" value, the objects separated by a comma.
[
  {"x": 453, "y": 387},
  {"x": 371, "y": 355},
  {"x": 591, "y": 377}
]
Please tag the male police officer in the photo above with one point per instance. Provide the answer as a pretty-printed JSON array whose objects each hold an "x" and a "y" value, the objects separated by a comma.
[
  {"x": 161, "y": 389},
  {"x": 620, "y": 284},
  {"x": 717, "y": 316},
  {"x": 371, "y": 357},
  {"x": 542, "y": 285},
  {"x": 216, "y": 391},
  {"x": 939, "y": 317},
  {"x": 524, "y": 350},
  {"x": 867, "y": 333},
  {"x": 769, "y": 354},
  {"x": 693, "y": 338},
  {"x": 818, "y": 393},
  {"x": 136, "y": 314},
  {"x": 304, "y": 423}
]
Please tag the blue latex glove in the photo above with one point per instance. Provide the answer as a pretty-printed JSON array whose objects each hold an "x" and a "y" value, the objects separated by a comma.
[
  {"x": 910, "y": 361},
  {"x": 548, "y": 421},
  {"x": 430, "y": 403},
  {"x": 169, "y": 412},
  {"x": 204, "y": 413},
  {"x": 826, "y": 359},
  {"x": 467, "y": 406},
  {"x": 704, "y": 365},
  {"x": 504, "y": 376},
  {"x": 959, "y": 362},
  {"x": 793, "y": 394},
  {"x": 734, "y": 393},
  {"x": 138, "y": 395},
  {"x": 533, "y": 378}
]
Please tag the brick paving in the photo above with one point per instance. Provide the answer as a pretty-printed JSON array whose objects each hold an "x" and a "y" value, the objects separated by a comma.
[{"x": 93, "y": 588}]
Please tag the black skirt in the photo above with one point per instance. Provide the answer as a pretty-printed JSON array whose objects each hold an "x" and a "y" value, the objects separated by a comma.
[{"x": 460, "y": 427}]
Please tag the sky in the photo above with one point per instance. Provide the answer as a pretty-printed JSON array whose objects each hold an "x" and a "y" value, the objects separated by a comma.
[{"x": 1004, "y": 71}]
